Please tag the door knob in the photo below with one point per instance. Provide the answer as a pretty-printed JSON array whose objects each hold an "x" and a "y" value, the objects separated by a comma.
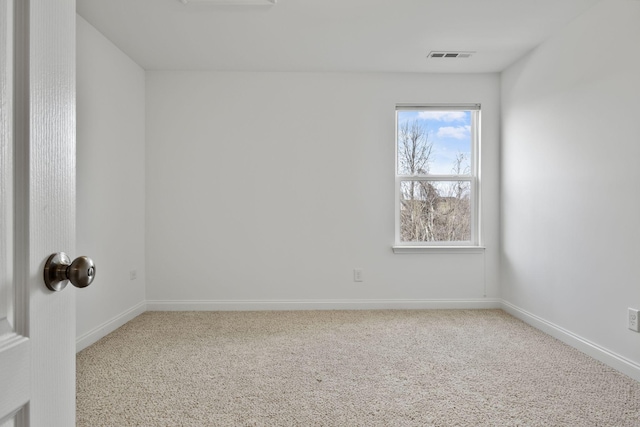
[{"x": 59, "y": 270}]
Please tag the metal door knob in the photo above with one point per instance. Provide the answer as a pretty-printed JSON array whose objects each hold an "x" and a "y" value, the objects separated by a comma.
[{"x": 59, "y": 270}]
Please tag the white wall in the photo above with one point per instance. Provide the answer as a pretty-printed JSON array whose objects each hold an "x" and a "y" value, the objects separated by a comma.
[
  {"x": 271, "y": 187},
  {"x": 570, "y": 173},
  {"x": 110, "y": 187}
]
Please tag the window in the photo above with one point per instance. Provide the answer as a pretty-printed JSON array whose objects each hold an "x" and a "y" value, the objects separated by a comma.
[{"x": 437, "y": 169}]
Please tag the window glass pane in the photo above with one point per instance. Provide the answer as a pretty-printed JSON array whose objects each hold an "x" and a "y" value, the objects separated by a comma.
[
  {"x": 435, "y": 211},
  {"x": 434, "y": 142}
]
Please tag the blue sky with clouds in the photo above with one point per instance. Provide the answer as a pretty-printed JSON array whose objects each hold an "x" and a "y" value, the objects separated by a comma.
[{"x": 450, "y": 133}]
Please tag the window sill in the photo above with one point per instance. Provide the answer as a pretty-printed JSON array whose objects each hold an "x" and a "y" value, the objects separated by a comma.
[{"x": 438, "y": 249}]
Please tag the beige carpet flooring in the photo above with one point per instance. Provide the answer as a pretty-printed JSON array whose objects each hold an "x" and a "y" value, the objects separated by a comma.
[{"x": 345, "y": 368}]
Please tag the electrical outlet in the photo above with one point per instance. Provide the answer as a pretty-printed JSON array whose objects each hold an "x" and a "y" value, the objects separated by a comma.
[
  {"x": 133, "y": 275},
  {"x": 633, "y": 320},
  {"x": 357, "y": 275}
]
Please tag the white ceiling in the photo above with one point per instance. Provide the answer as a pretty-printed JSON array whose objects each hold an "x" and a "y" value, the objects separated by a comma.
[{"x": 329, "y": 35}]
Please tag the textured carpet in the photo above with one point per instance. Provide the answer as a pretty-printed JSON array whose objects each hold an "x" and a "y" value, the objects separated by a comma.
[{"x": 345, "y": 368}]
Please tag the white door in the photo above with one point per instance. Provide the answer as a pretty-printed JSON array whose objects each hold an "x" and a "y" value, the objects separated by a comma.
[{"x": 37, "y": 211}]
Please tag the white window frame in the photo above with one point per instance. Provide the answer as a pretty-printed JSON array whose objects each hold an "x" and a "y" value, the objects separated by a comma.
[{"x": 474, "y": 244}]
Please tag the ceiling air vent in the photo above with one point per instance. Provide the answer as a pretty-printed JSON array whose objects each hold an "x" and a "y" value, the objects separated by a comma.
[{"x": 449, "y": 54}]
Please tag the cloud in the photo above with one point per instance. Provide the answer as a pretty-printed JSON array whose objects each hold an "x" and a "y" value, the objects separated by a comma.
[
  {"x": 443, "y": 116},
  {"x": 458, "y": 132}
]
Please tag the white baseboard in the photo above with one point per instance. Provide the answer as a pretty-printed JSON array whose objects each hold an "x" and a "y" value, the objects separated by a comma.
[
  {"x": 109, "y": 326},
  {"x": 248, "y": 305},
  {"x": 605, "y": 356}
]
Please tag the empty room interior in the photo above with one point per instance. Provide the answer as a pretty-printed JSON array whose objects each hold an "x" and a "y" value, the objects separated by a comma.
[{"x": 246, "y": 157}]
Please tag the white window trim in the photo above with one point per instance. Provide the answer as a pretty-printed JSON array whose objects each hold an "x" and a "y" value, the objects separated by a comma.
[
  {"x": 401, "y": 249},
  {"x": 475, "y": 244}
]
